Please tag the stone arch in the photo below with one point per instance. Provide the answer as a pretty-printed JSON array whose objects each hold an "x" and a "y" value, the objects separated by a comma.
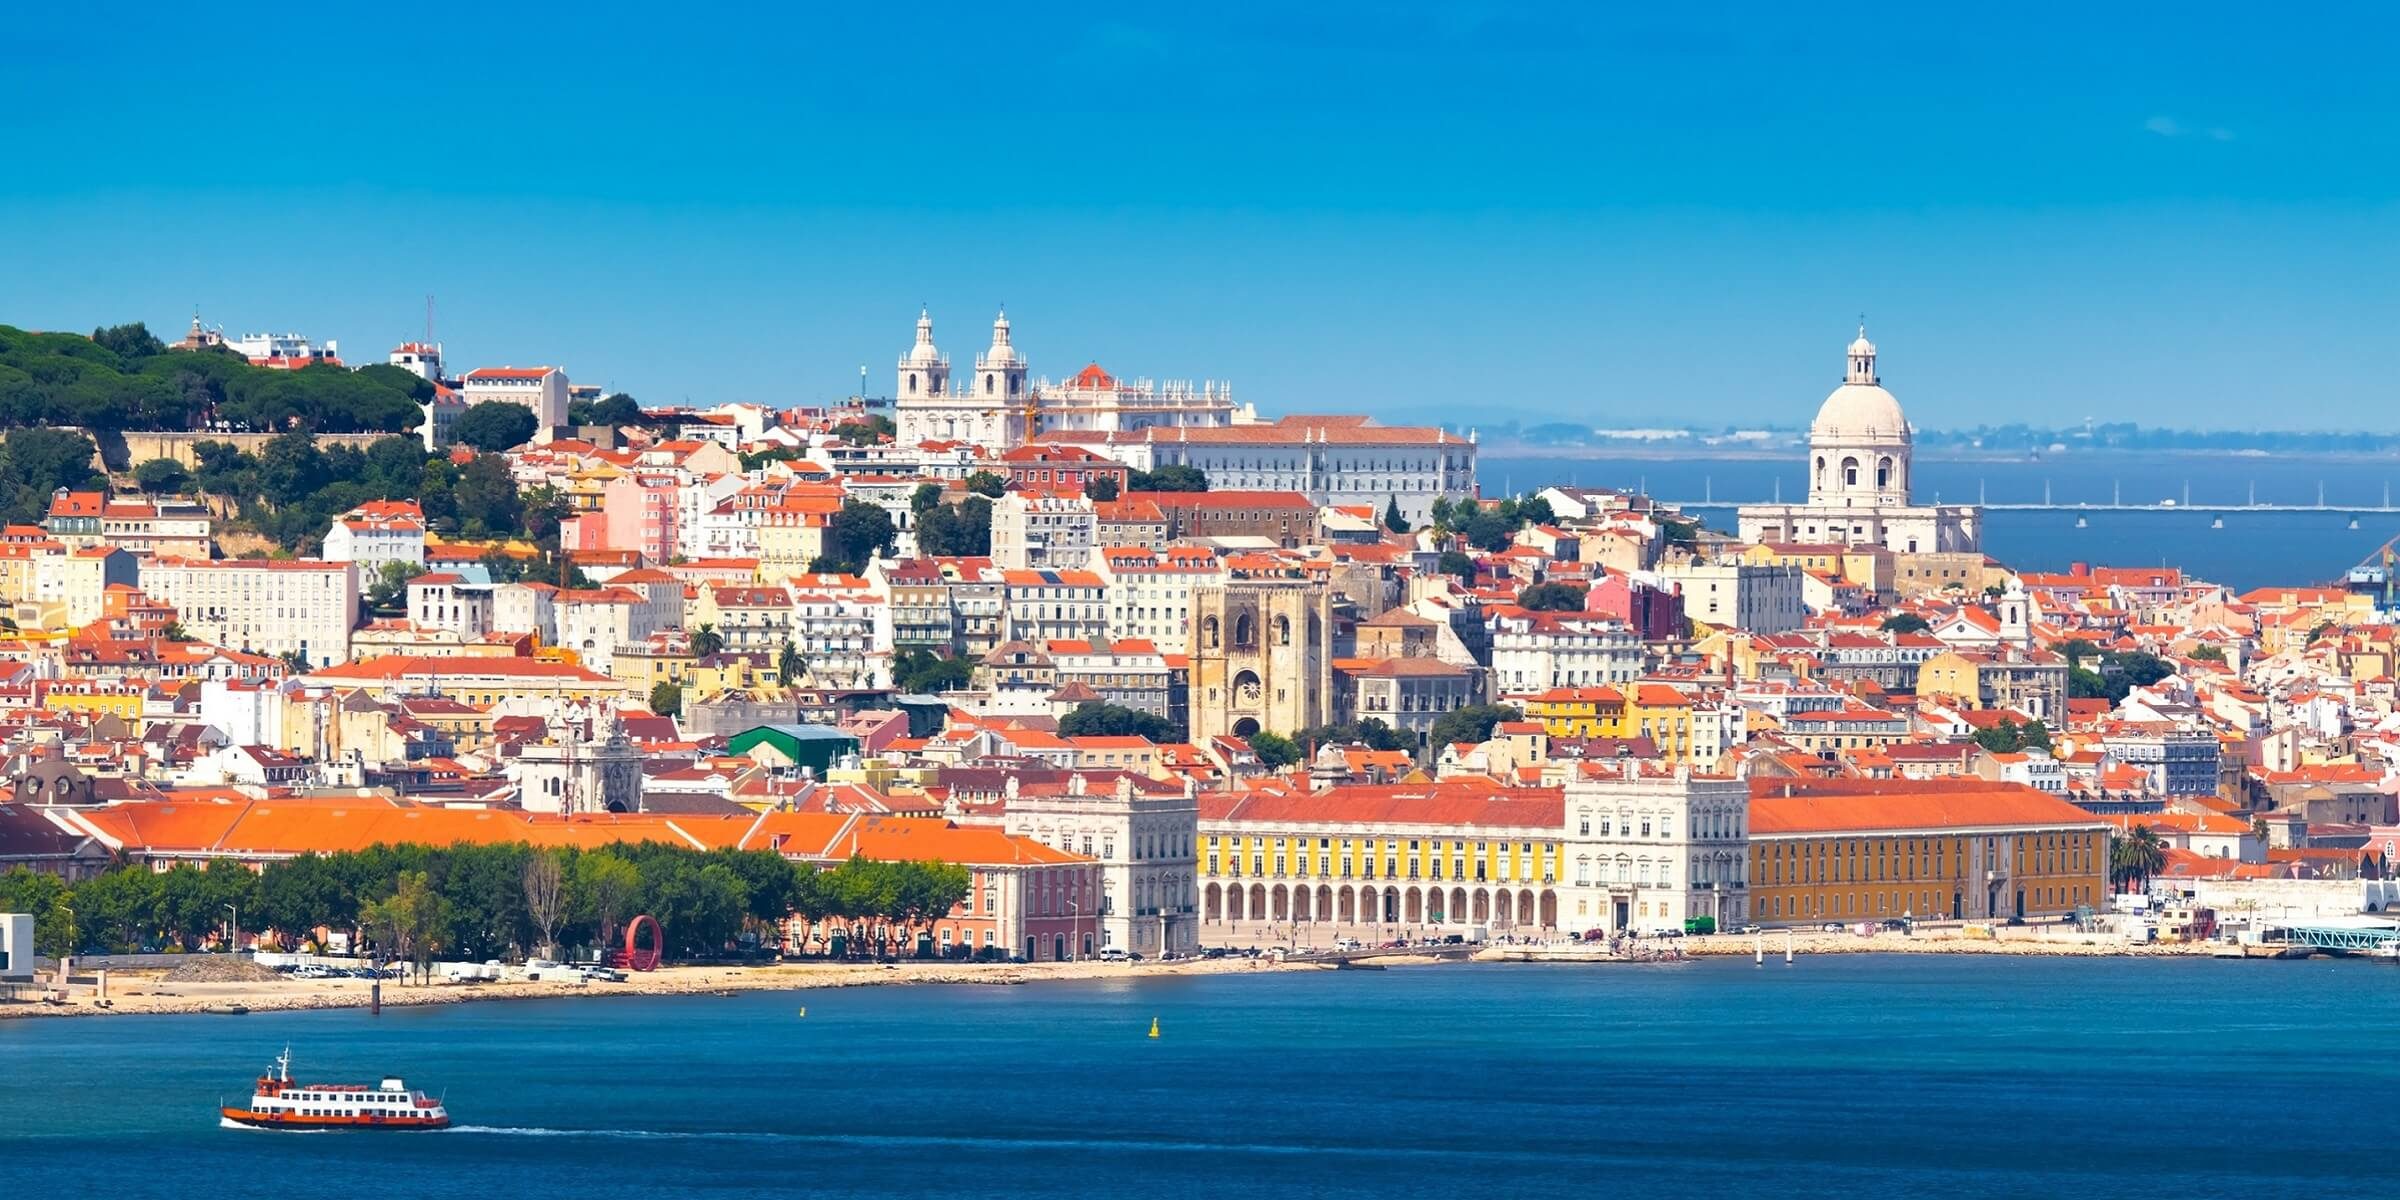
[
  {"x": 1525, "y": 907},
  {"x": 1549, "y": 910},
  {"x": 1245, "y": 727},
  {"x": 1258, "y": 902},
  {"x": 1245, "y": 632},
  {"x": 1345, "y": 904},
  {"x": 1849, "y": 471},
  {"x": 1413, "y": 909},
  {"x": 1283, "y": 630},
  {"x": 1456, "y": 910},
  {"x": 1483, "y": 907},
  {"x": 1324, "y": 902},
  {"x": 1209, "y": 633},
  {"x": 1233, "y": 903},
  {"x": 1883, "y": 471},
  {"x": 1213, "y": 901}
]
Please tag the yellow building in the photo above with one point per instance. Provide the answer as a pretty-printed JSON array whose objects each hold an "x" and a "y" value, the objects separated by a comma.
[
  {"x": 1852, "y": 850},
  {"x": 1662, "y": 714},
  {"x": 121, "y": 698},
  {"x": 1382, "y": 857},
  {"x": 1583, "y": 712}
]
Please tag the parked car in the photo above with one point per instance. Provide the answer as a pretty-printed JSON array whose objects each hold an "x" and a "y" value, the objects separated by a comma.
[
  {"x": 1833, "y": 927},
  {"x": 1748, "y": 928},
  {"x": 1113, "y": 954}
]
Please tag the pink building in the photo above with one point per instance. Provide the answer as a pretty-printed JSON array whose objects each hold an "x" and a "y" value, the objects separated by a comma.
[
  {"x": 641, "y": 507},
  {"x": 1655, "y": 613}
]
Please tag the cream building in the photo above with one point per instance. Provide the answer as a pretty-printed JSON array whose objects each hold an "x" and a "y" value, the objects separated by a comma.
[
  {"x": 299, "y": 607},
  {"x": 1858, "y": 478}
]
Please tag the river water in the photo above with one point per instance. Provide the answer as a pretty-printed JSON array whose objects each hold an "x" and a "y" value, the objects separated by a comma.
[
  {"x": 2250, "y": 550},
  {"x": 1841, "y": 1076}
]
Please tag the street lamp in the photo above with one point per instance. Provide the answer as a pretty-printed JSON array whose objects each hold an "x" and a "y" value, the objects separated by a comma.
[
  {"x": 70, "y": 931},
  {"x": 1074, "y": 929},
  {"x": 234, "y": 940}
]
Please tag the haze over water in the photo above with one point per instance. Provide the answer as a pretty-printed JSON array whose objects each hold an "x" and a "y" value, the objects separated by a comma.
[
  {"x": 1839, "y": 1077},
  {"x": 2252, "y": 550}
]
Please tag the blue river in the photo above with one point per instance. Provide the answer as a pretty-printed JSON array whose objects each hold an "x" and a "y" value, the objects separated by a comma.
[
  {"x": 2251, "y": 549},
  {"x": 1841, "y": 1076}
]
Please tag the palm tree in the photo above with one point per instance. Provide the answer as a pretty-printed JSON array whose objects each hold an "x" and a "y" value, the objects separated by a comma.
[
  {"x": 2137, "y": 856},
  {"x": 706, "y": 641},
  {"x": 789, "y": 664}
]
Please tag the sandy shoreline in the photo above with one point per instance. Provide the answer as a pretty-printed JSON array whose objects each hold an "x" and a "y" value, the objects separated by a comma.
[{"x": 145, "y": 992}]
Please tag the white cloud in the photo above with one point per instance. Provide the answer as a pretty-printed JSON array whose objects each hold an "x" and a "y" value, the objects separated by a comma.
[{"x": 2169, "y": 127}]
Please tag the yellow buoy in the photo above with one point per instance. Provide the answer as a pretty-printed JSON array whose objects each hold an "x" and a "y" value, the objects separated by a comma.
[
  {"x": 804, "y": 1010},
  {"x": 1154, "y": 1027}
]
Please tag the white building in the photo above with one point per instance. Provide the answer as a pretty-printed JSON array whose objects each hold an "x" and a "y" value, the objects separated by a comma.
[
  {"x": 421, "y": 359},
  {"x": 1036, "y": 529},
  {"x": 282, "y": 349},
  {"x": 451, "y": 601},
  {"x": 1146, "y": 842},
  {"x": 1150, "y": 592},
  {"x": 584, "y": 765},
  {"x": 1760, "y": 599},
  {"x": 304, "y": 607},
  {"x": 1649, "y": 848},
  {"x": 989, "y": 409},
  {"x": 1347, "y": 460},
  {"x": 378, "y": 532},
  {"x": 1858, "y": 478},
  {"x": 541, "y": 389},
  {"x": 998, "y": 406},
  {"x": 1537, "y": 651}
]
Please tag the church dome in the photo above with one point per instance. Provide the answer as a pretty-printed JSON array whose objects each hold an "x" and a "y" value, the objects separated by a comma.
[{"x": 1859, "y": 410}]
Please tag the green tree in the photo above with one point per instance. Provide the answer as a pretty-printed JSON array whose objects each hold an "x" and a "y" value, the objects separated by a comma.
[
  {"x": 789, "y": 665},
  {"x": 1093, "y": 718},
  {"x": 388, "y": 593},
  {"x": 860, "y": 533},
  {"x": 666, "y": 698},
  {"x": 129, "y": 341},
  {"x": 960, "y": 531},
  {"x": 495, "y": 426},
  {"x": 1440, "y": 512},
  {"x": 925, "y": 499},
  {"x": 163, "y": 477},
  {"x": 1274, "y": 751},
  {"x": 1470, "y": 724},
  {"x": 920, "y": 670},
  {"x": 604, "y": 888},
  {"x": 1905, "y": 623},
  {"x": 1489, "y": 531},
  {"x": 2136, "y": 857},
  {"x": 1392, "y": 520},
  {"x": 1102, "y": 488},
  {"x": 706, "y": 641},
  {"x": 1534, "y": 510},
  {"x": 1456, "y": 563},
  {"x": 2215, "y": 654},
  {"x": 865, "y": 432},
  {"x": 1552, "y": 597},
  {"x": 1171, "y": 478},
  {"x": 985, "y": 483}
]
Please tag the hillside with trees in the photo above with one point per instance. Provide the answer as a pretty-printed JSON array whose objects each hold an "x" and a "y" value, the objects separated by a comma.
[{"x": 124, "y": 378}]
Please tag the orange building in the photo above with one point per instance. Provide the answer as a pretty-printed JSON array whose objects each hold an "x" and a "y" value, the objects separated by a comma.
[{"x": 1852, "y": 850}]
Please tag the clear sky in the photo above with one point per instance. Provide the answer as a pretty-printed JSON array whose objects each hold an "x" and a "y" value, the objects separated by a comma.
[{"x": 1614, "y": 214}]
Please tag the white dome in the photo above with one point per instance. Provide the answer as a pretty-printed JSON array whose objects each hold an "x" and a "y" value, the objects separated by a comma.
[
  {"x": 1862, "y": 345},
  {"x": 924, "y": 355},
  {"x": 1859, "y": 410}
]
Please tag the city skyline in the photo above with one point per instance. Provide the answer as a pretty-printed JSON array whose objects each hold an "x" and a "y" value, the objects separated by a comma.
[{"x": 1562, "y": 216}]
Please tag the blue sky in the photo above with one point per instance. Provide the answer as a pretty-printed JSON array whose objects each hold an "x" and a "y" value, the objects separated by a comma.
[{"x": 1619, "y": 216}]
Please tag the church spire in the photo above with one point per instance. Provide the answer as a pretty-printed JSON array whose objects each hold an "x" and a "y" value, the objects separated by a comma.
[{"x": 1862, "y": 359}]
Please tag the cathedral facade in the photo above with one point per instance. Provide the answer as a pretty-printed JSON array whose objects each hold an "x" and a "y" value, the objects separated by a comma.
[
  {"x": 1859, "y": 468},
  {"x": 1000, "y": 407}
]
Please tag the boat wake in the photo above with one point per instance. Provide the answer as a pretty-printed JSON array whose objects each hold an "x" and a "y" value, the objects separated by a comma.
[
  {"x": 940, "y": 1141},
  {"x": 230, "y": 1123}
]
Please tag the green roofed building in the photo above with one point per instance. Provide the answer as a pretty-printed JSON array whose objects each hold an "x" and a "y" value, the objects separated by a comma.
[{"x": 815, "y": 747}]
